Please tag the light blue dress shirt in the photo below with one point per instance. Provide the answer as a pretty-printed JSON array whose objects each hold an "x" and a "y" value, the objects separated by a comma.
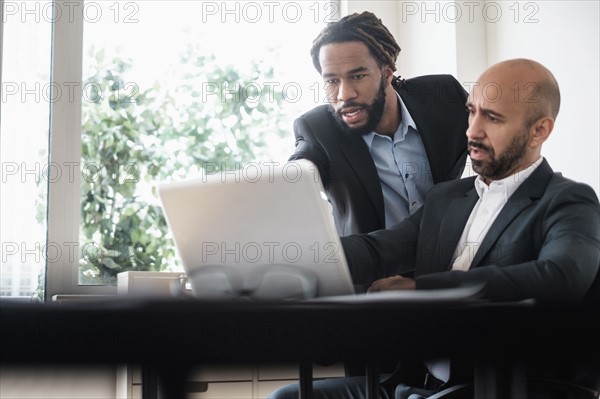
[{"x": 403, "y": 168}]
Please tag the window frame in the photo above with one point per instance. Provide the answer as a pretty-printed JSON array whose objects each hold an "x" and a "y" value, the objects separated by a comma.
[
  {"x": 65, "y": 154},
  {"x": 64, "y": 197}
]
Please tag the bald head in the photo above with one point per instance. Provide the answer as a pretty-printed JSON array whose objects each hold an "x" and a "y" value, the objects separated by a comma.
[
  {"x": 529, "y": 84},
  {"x": 512, "y": 109}
]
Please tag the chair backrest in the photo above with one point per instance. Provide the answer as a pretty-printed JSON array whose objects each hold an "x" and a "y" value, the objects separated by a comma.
[{"x": 592, "y": 297}]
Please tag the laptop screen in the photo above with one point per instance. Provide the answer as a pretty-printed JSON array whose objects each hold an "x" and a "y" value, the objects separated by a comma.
[{"x": 265, "y": 229}]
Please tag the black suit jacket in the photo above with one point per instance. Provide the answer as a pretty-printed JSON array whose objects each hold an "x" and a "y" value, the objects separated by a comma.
[
  {"x": 544, "y": 244},
  {"x": 436, "y": 104}
]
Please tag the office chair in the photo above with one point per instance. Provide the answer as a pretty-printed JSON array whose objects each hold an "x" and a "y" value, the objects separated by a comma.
[
  {"x": 460, "y": 391},
  {"x": 536, "y": 389}
]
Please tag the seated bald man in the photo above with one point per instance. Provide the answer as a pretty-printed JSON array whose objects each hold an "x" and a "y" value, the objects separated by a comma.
[{"x": 519, "y": 228}]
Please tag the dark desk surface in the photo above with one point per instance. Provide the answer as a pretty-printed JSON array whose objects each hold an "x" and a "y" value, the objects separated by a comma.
[
  {"x": 201, "y": 331},
  {"x": 189, "y": 332}
]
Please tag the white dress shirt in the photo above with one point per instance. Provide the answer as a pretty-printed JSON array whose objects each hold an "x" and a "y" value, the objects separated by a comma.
[{"x": 492, "y": 199}]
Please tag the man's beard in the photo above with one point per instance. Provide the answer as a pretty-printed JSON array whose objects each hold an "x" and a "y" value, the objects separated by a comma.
[
  {"x": 374, "y": 113},
  {"x": 499, "y": 168}
]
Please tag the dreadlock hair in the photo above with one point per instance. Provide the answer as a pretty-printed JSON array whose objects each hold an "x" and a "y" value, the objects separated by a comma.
[{"x": 365, "y": 28}]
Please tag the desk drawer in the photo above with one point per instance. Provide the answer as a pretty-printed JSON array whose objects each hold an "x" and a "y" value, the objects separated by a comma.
[
  {"x": 289, "y": 371},
  {"x": 224, "y": 390},
  {"x": 223, "y": 373}
]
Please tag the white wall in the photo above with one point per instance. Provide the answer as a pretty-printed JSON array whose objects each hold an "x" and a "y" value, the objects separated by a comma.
[
  {"x": 465, "y": 37},
  {"x": 565, "y": 38}
]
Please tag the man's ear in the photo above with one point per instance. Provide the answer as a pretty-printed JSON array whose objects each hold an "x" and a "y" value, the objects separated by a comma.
[
  {"x": 540, "y": 131},
  {"x": 388, "y": 73}
]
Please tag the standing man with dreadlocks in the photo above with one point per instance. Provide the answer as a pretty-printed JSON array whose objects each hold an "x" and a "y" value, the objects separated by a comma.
[{"x": 382, "y": 142}]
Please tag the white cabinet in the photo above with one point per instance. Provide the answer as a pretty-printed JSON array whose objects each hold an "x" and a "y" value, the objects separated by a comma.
[{"x": 230, "y": 382}]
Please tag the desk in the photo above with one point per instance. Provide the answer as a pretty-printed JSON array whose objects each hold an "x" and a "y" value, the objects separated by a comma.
[{"x": 240, "y": 331}]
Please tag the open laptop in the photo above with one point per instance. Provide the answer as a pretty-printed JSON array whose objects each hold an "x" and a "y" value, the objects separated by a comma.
[{"x": 265, "y": 231}]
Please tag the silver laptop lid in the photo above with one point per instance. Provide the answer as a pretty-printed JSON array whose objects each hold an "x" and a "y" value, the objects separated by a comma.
[{"x": 266, "y": 228}]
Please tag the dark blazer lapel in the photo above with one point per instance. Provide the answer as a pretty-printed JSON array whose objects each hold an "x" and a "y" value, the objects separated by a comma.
[
  {"x": 419, "y": 111},
  {"x": 359, "y": 159},
  {"x": 452, "y": 226},
  {"x": 427, "y": 127},
  {"x": 529, "y": 190}
]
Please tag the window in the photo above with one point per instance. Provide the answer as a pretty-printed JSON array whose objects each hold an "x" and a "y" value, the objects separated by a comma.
[{"x": 144, "y": 91}]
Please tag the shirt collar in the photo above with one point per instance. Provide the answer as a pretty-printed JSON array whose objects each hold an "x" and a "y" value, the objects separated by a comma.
[
  {"x": 406, "y": 122},
  {"x": 509, "y": 184}
]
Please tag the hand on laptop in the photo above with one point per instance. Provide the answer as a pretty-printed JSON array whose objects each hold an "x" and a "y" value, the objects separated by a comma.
[{"x": 392, "y": 283}]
